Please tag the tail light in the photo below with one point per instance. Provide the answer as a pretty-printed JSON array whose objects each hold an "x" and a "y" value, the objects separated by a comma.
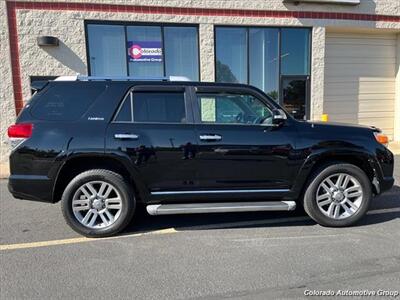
[
  {"x": 381, "y": 138},
  {"x": 19, "y": 133}
]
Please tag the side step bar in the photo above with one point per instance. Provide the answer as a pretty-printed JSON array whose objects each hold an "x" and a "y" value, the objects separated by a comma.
[{"x": 197, "y": 208}]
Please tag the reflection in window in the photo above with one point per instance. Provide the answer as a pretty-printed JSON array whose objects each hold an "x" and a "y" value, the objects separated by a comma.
[
  {"x": 181, "y": 55},
  {"x": 263, "y": 60},
  {"x": 107, "y": 50},
  {"x": 125, "y": 111},
  {"x": 232, "y": 109},
  {"x": 231, "y": 53},
  {"x": 260, "y": 47},
  {"x": 295, "y": 52},
  {"x": 294, "y": 97},
  {"x": 159, "y": 107}
]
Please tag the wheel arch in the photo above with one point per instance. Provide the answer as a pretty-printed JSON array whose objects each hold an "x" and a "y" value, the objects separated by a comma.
[
  {"x": 77, "y": 164},
  {"x": 316, "y": 162}
]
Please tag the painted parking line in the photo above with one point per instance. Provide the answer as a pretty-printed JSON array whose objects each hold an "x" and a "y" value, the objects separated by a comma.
[
  {"x": 173, "y": 230},
  {"x": 80, "y": 240}
]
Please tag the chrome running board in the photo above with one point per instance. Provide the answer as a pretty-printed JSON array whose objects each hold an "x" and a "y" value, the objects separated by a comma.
[{"x": 197, "y": 208}]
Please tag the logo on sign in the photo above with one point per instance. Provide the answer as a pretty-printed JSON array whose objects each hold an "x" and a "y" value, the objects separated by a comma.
[{"x": 145, "y": 51}]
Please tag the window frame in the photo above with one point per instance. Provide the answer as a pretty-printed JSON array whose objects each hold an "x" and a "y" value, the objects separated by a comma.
[
  {"x": 280, "y": 75},
  {"x": 224, "y": 89},
  {"x": 129, "y": 95},
  {"x": 154, "y": 24}
]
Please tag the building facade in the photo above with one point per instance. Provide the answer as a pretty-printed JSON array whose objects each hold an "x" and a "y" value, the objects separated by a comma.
[{"x": 335, "y": 57}]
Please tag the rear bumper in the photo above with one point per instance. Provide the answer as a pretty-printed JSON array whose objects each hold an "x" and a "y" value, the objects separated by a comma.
[{"x": 31, "y": 187}]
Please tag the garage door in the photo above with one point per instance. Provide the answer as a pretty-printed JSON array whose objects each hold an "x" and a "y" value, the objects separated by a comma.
[{"x": 360, "y": 79}]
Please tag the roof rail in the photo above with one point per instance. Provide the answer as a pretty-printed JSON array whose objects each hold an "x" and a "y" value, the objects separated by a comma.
[{"x": 130, "y": 78}]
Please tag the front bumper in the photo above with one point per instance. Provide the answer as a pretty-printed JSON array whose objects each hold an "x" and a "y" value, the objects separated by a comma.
[{"x": 385, "y": 184}]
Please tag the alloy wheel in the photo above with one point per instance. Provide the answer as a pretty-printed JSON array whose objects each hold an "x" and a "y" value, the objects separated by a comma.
[
  {"x": 97, "y": 204},
  {"x": 339, "y": 196}
]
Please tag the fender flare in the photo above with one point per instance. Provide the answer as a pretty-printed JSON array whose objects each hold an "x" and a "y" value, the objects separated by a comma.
[
  {"x": 324, "y": 155},
  {"x": 119, "y": 157}
]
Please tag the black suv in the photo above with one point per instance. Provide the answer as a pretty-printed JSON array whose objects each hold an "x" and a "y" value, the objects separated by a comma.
[{"x": 105, "y": 146}]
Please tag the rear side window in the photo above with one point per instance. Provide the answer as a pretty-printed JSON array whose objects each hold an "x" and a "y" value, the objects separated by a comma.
[
  {"x": 65, "y": 102},
  {"x": 160, "y": 107}
]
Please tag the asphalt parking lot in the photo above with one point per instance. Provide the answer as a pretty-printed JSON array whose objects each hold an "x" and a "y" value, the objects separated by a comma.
[{"x": 240, "y": 256}]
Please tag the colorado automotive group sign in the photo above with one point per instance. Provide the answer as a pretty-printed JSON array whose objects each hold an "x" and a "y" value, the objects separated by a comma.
[{"x": 150, "y": 51}]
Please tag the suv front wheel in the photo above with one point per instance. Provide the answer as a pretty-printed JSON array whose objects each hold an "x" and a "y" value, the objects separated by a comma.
[
  {"x": 98, "y": 203},
  {"x": 338, "y": 195}
]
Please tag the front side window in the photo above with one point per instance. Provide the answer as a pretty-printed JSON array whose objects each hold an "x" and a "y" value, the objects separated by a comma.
[
  {"x": 232, "y": 109},
  {"x": 143, "y": 50}
]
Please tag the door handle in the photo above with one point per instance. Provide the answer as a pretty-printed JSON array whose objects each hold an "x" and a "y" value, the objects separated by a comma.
[
  {"x": 210, "y": 137},
  {"x": 126, "y": 136}
]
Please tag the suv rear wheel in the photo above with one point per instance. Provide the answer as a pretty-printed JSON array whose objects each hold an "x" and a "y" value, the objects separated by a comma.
[
  {"x": 338, "y": 195},
  {"x": 98, "y": 203}
]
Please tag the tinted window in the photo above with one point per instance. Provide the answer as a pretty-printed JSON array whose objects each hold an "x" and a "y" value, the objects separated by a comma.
[
  {"x": 159, "y": 107},
  {"x": 125, "y": 112},
  {"x": 65, "y": 102},
  {"x": 294, "y": 96},
  {"x": 232, "y": 109}
]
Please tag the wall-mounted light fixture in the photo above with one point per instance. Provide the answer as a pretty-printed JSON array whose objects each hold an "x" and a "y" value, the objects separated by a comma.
[
  {"x": 340, "y": 2},
  {"x": 47, "y": 41}
]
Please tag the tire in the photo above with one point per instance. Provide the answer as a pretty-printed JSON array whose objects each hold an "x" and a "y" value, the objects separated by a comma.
[
  {"x": 111, "y": 203},
  {"x": 317, "y": 192}
]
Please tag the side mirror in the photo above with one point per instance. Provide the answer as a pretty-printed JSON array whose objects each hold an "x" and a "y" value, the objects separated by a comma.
[{"x": 278, "y": 117}]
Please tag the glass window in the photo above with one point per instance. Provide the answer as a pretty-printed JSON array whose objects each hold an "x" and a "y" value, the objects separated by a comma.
[
  {"x": 125, "y": 112},
  {"x": 264, "y": 60},
  {"x": 295, "y": 52},
  {"x": 65, "y": 102},
  {"x": 231, "y": 55},
  {"x": 181, "y": 52},
  {"x": 145, "y": 51},
  {"x": 233, "y": 109},
  {"x": 159, "y": 107},
  {"x": 294, "y": 96},
  {"x": 107, "y": 50}
]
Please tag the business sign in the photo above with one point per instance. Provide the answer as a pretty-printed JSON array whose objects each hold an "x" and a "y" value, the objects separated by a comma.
[{"x": 145, "y": 51}]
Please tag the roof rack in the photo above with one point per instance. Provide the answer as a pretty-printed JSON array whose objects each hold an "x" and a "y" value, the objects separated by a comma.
[{"x": 80, "y": 77}]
